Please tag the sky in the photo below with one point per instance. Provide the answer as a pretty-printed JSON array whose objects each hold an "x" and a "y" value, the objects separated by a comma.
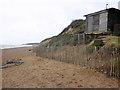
[{"x": 30, "y": 21}]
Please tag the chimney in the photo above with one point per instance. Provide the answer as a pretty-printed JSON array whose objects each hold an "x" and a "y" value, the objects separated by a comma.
[{"x": 119, "y": 5}]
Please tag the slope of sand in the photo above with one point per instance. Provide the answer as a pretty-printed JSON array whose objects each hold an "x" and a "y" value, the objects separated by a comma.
[{"x": 38, "y": 72}]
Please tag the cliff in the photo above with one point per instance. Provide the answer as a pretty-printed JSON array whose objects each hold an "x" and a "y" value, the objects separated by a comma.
[{"x": 66, "y": 37}]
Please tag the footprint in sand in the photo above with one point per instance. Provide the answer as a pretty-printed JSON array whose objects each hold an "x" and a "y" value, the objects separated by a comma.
[
  {"x": 59, "y": 84},
  {"x": 73, "y": 74},
  {"x": 52, "y": 80},
  {"x": 81, "y": 80},
  {"x": 70, "y": 82},
  {"x": 91, "y": 86},
  {"x": 43, "y": 74},
  {"x": 43, "y": 86},
  {"x": 75, "y": 82},
  {"x": 79, "y": 86},
  {"x": 73, "y": 79}
]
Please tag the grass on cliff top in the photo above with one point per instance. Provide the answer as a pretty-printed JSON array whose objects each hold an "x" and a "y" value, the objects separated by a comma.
[{"x": 111, "y": 40}]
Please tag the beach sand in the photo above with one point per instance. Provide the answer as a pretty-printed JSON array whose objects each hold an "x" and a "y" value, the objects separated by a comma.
[
  {"x": 12, "y": 54},
  {"x": 37, "y": 72},
  {"x": 16, "y": 53}
]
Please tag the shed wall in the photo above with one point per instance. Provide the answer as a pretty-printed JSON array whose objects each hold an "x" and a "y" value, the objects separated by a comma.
[
  {"x": 90, "y": 23},
  {"x": 96, "y": 22},
  {"x": 103, "y": 21}
]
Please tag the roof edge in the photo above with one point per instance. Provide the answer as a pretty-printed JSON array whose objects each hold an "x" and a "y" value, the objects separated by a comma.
[{"x": 101, "y": 11}]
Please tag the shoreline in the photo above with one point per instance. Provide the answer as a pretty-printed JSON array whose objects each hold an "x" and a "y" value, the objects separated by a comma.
[
  {"x": 16, "y": 52},
  {"x": 13, "y": 46}
]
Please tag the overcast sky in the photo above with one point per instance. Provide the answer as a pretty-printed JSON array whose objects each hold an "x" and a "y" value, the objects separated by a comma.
[{"x": 27, "y": 21}]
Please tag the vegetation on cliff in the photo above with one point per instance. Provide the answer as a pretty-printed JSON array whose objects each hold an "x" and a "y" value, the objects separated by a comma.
[{"x": 67, "y": 36}]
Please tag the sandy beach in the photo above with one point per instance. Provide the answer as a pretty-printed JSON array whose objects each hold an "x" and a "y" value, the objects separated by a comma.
[
  {"x": 38, "y": 72},
  {"x": 16, "y": 53}
]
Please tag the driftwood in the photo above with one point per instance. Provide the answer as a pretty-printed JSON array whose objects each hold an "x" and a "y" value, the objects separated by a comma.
[{"x": 11, "y": 63}]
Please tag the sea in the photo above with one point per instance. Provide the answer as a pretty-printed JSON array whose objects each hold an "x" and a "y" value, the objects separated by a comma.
[{"x": 12, "y": 46}]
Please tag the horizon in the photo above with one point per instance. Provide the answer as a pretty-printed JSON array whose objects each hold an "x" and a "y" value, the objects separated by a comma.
[{"x": 31, "y": 21}]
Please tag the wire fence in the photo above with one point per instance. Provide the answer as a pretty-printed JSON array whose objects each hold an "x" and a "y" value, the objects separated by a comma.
[{"x": 105, "y": 60}]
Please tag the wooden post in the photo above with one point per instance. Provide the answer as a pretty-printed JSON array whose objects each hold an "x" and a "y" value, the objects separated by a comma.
[
  {"x": 84, "y": 38},
  {"x": 78, "y": 38}
]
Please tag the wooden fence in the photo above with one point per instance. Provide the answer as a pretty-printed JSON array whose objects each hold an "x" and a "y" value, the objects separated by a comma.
[{"x": 105, "y": 60}]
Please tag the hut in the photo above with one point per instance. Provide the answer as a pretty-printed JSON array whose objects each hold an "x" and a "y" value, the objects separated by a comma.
[{"x": 103, "y": 21}]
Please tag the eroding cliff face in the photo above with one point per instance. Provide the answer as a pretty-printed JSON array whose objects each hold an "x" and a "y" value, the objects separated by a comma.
[{"x": 66, "y": 37}]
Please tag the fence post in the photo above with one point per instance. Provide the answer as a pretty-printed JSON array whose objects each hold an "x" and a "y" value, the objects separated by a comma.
[{"x": 84, "y": 38}]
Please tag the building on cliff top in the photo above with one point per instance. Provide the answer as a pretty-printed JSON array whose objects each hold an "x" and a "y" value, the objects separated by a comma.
[{"x": 103, "y": 21}]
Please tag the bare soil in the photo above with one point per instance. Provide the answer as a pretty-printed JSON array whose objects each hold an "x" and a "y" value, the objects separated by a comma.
[{"x": 37, "y": 72}]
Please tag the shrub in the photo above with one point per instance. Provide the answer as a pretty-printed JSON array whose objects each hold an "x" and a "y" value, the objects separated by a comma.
[{"x": 98, "y": 43}]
